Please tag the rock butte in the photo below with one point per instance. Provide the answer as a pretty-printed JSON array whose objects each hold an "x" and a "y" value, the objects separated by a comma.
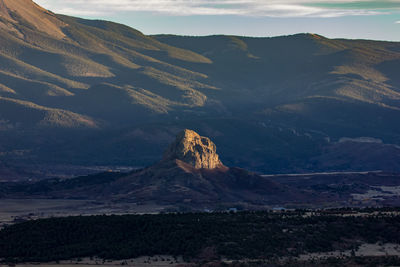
[{"x": 193, "y": 149}]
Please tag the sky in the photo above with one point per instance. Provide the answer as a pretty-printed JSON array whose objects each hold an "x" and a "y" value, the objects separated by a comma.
[{"x": 353, "y": 19}]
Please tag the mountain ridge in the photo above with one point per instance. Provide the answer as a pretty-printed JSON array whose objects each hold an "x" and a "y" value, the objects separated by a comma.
[{"x": 27, "y": 10}]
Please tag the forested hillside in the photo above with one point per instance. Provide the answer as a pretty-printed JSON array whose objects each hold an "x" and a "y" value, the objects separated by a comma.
[{"x": 203, "y": 237}]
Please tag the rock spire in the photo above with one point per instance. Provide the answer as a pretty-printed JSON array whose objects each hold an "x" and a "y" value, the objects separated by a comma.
[{"x": 193, "y": 149}]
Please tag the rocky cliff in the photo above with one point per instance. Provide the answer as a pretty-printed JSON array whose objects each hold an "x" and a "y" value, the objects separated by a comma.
[{"x": 193, "y": 149}]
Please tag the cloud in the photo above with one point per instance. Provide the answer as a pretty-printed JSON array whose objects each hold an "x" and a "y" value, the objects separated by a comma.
[
  {"x": 262, "y": 8},
  {"x": 397, "y": 22}
]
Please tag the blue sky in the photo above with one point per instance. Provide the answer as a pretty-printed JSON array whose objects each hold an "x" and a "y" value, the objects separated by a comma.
[{"x": 379, "y": 20}]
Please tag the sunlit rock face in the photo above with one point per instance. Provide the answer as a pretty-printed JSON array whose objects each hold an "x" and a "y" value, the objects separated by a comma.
[{"x": 193, "y": 149}]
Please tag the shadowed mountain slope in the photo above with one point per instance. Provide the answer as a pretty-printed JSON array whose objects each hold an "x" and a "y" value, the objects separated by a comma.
[
  {"x": 104, "y": 93},
  {"x": 52, "y": 60},
  {"x": 190, "y": 172}
]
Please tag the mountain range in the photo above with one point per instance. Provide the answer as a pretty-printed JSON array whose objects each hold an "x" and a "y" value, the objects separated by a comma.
[{"x": 93, "y": 92}]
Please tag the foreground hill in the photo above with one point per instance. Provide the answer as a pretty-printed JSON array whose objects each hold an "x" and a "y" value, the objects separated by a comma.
[
  {"x": 95, "y": 92},
  {"x": 190, "y": 173},
  {"x": 191, "y": 176}
]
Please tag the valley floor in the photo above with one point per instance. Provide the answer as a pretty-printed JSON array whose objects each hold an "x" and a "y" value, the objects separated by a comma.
[
  {"x": 156, "y": 261},
  {"x": 19, "y": 210},
  {"x": 378, "y": 252}
]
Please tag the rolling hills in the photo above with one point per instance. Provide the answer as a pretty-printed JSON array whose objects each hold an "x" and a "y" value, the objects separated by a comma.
[{"x": 96, "y": 92}]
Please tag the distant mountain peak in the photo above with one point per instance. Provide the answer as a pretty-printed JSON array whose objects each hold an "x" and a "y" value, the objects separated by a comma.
[
  {"x": 28, "y": 13},
  {"x": 193, "y": 149}
]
